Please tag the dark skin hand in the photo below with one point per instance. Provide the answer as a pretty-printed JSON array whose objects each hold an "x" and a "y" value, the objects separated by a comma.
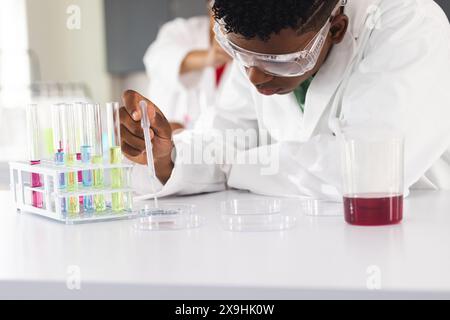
[
  {"x": 176, "y": 126},
  {"x": 287, "y": 41},
  {"x": 132, "y": 134}
]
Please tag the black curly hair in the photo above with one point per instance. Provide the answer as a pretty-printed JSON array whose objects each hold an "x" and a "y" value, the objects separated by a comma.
[{"x": 261, "y": 18}]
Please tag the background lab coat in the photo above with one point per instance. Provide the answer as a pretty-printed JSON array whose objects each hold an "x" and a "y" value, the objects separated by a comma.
[
  {"x": 400, "y": 79},
  {"x": 181, "y": 97}
]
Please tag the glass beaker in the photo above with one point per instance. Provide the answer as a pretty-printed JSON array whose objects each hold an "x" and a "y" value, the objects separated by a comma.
[{"x": 373, "y": 178}]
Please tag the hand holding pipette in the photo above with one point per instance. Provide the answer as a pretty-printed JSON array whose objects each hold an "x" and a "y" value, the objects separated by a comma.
[
  {"x": 133, "y": 143},
  {"x": 145, "y": 124},
  {"x": 156, "y": 211}
]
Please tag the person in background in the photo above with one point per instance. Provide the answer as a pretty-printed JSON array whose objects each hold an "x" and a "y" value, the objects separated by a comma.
[{"x": 187, "y": 69}]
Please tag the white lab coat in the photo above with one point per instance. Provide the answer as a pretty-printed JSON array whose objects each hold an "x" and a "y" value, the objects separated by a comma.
[
  {"x": 182, "y": 98},
  {"x": 396, "y": 74}
]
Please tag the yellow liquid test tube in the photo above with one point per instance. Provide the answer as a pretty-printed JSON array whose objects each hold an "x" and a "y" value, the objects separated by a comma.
[
  {"x": 73, "y": 203},
  {"x": 117, "y": 202},
  {"x": 98, "y": 175},
  {"x": 115, "y": 155}
]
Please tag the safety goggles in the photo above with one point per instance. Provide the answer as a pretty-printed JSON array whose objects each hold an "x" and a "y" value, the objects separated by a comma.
[{"x": 280, "y": 65}]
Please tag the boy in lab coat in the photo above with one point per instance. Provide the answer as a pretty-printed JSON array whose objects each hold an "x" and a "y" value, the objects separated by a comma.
[{"x": 305, "y": 71}]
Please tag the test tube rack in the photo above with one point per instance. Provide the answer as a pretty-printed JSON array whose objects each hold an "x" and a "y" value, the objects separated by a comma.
[{"x": 20, "y": 177}]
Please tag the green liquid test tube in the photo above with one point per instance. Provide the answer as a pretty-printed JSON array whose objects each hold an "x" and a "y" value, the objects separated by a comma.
[
  {"x": 48, "y": 141},
  {"x": 98, "y": 183},
  {"x": 98, "y": 175},
  {"x": 115, "y": 156},
  {"x": 73, "y": 203}
]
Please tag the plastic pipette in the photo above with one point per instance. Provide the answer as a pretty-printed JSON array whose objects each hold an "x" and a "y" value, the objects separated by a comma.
[{"x": 145, "y": 124}]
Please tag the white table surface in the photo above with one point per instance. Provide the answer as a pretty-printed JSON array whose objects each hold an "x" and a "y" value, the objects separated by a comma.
[{"x": 322, "y": 257}]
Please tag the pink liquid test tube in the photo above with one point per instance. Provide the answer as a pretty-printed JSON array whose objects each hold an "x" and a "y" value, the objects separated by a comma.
[
  {"x": 80, "y": 178},
  {"x": 80, "y": 173},
  {"x": 78, "y": 118},
  {"x": 37, "y": 198},
  {"x": 78, "y": 127}
]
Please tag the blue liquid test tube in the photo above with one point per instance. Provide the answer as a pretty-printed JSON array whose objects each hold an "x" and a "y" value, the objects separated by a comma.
[
  {"x": 59, "y": 138},
  {"x": 88, "y": 201},
  {"x": 62, "y": 182},
  {"x": 87, "y": 140}
]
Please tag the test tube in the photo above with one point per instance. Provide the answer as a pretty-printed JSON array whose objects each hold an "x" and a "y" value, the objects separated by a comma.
[
  {"x": 97, "y": 158},
  {"x": 34, "y": 154},
  {"x": 78, "y": 112},
  {"x": 115, "y": 154},
  {"x": 87, "y": 141},
  {"x": 58, "y": 146},
  {"x": 71, "y": 159}
]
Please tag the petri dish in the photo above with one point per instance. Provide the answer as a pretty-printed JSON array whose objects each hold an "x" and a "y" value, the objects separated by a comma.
[
  {"x": 252, "y": 215},
  {"x": 321, "y": 208},
  {"x": 167, "y": 216}
]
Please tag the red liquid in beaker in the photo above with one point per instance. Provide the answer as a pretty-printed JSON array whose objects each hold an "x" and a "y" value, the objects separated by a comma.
[{"x": 373, "y": 210}]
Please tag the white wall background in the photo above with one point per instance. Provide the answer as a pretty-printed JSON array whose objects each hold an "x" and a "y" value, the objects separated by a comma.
[
  {"x": 14, "y": 68},
  {"x": 63, "y": 55},
  {"x": 70, "y": 55}
]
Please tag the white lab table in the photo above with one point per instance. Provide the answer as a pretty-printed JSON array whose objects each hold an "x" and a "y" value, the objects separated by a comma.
[{"x": 322, "y": 257}]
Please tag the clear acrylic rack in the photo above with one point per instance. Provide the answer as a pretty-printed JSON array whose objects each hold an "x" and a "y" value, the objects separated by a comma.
[{"x": 52, "y": 195}]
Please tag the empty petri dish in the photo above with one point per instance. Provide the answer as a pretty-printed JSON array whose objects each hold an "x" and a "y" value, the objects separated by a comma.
[
  {"x": 321, "y": 208},
  {"x": 255, "y": 215},
  {"x": 167, "y": 217}
]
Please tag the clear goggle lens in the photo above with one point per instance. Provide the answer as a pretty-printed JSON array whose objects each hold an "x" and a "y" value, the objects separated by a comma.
[
  {"x": 277, "y": 65},
  {"x": 280, "y": 68}
]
